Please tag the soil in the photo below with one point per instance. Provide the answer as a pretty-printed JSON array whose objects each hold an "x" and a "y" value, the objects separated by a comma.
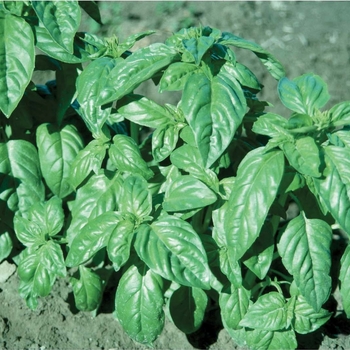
[{"x": 306, "y": 37}]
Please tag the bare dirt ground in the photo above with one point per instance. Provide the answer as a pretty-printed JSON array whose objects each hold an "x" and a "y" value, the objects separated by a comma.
[{"x": 306, "y": 37}]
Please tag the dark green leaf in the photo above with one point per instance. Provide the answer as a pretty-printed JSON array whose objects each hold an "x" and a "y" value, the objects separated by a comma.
[
  {"x": 139, "y": 304},
  {"x": 92, "y": 9},
  {"x": 17, "y": 60},
  {"x": 197, "y": 47},
  {"x": 344, "y": 278}
]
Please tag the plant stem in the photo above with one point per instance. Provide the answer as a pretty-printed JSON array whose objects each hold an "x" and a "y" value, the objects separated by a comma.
[{"x": 134, "y": 132}]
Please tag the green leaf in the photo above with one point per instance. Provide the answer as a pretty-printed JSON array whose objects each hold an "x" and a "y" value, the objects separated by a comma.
[
  {"x": 234, "y": 303},
  {"x": 333, "y": 187},
  {"x": 144, "y": 111},
  {"x": 58, "y": 148},
  {"x": 197, "y": 47},
  {"x": 175, "y": 76},
  {"x": 267, "y": 313},
  {"x": 344, "y": 278},
  {"x": 254, "y": 190},
  {"x": 126, "y": 156},
  {"x": 135, "y": 69},
  {"x": 92, "y": 237},
  {"x": 187, "y": 308},
  {"x": 87, "y": 160},
  {"x": 17, "y": 60},
  {"x": 304, "y": 94},
  {"x": 340, "y": 113},
  {"x": 172, "y": 249},
  {"x": 214, "y": 109},
  {"x": 87, "y": 289},
  {"x": 271, "y": 63},
  {"x": 139, "y": 304},
  {"x": 303, "y": 155},
  {"x": 20, "y": 176},
  {"x": 119, "y": 243},
  {"x": 306, "y": 319},
  {"x": 305, "y": 250},
  {"x": 187, "y": 193},
  {"x": 61, "y": 19},
  {"x": 272, "y": 125},
  {"x": 6, "y": 245},
  {"x": 92, "y": 9},
  {"x": 135, "y": 198}
]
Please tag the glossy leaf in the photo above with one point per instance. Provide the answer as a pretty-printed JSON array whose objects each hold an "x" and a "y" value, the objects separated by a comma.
[
  {"x": 17, "y": 63},
  {"x": 119, "y": 243},
  {"x": 20, "y": 179},
  {"x": 187, "y": 308},
  {"x": 197, "y": 47},
  {"x": 6, "y": 245},
  {"x": 253, "y": 192},
  {"x": 58, "y": 148},
  {"x": 92, "y": 237},
  {"x": 305, "y": 94},
  {"x": 340, "y": 113},
  {"x": 305, "y": 251},
  {"x": 137, "y": 68},
  {"x": 61, "y": 19},
  {"x": 87, "y": 289},
  {"x": 214, "y": 109},
  {"x": 186, "y": 193},
  {"x": 344, "y": 278},
  {"x": 139, "y": 304},
  {"x": 272, "y": 125},
  {"x": 126, "y": 156},
  {"x": 172, "y": 249}
]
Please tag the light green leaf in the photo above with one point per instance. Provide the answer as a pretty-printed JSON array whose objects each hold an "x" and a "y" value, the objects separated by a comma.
[
  {"x": 344, "y": 277},
  {"x": 305, "y": 251},
  {"x": 187, "y": 308},
  {"x": 139, "y": 304},
  {"x": 172, "y": 249},
  {"x": 61, "y": 19},
  {"x": 187, "y": 193},
  {"x": 306, "y": 319},
  {"x": 267, "y": 313},
  {"x": 340, "y": 113},
  {"x": 92, "y": 237},
  {"x": 272, "y": 125},
  {"x": 254, "y": 190},
  {"x": 214, "y": 109},
  {"x": 20, "y": 176},
  {"x": 17, "y": 60},
  {"x": 126, "y": 156},
  {"x": 304, "y": 94},
  {"x": 135, "y": 69},
  {"x": 58, "y": 148},
  {"x": 6, "y": 245},
  {"x": 87, "y": 289}
]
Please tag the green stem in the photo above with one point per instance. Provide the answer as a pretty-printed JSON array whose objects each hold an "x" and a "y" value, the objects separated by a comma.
[{"x": 134, "y": 132}]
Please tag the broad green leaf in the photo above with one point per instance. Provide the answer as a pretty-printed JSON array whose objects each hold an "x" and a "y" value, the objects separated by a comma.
[
  {"x": 97, "y": 196},
  {"x": 135, "y": 198},
  {"x": 172, "y": 249},
  {"x": 254, "y": 190},
  {"x": 271, "y": 63},
  {"x": 92, "y": 237},
  {"x": 90, "y": 85},
  {"x": 267, "y": 313},
  {"x": 342, "y": 136},
  {"x": 333, "y": 187},
  {"x": 92, "y": 9},
  {"x": 187, "y": 193},
  {"x": 139, "y": 304},
  {"x": 234, "y": 303},
  {"x": 214, "y": 109},
  {"x": 126, "y": 156},
  {"x": 306, "y": 319},
  {"x": 17, "y": 60},
  {"x": 304, "y": 94},
  {"x": 87, "y": 160},
  {"x": 20, "y": 177},
  {"x": 61, "y": 19},
  {"x": 6, "y": 245},
  {"x": 58, "y": 148},
  {"x": 272, "y": 125},
  {"x": 344, "y": 278},
  {"x": 197, "y": 47},
  {"x": 87, "y": 289},
  {"x": 135, "y": 69},
  {"x": 144, "y": 111},
  {"x": 187, "y": 308},
  {"x": 119, "y": 243},
  {"x": 305, "y": 250},
  {"x": 175, "y": 76},
  {"x": 303, "y": 155},
  {"x": 340, "y": 113}
]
